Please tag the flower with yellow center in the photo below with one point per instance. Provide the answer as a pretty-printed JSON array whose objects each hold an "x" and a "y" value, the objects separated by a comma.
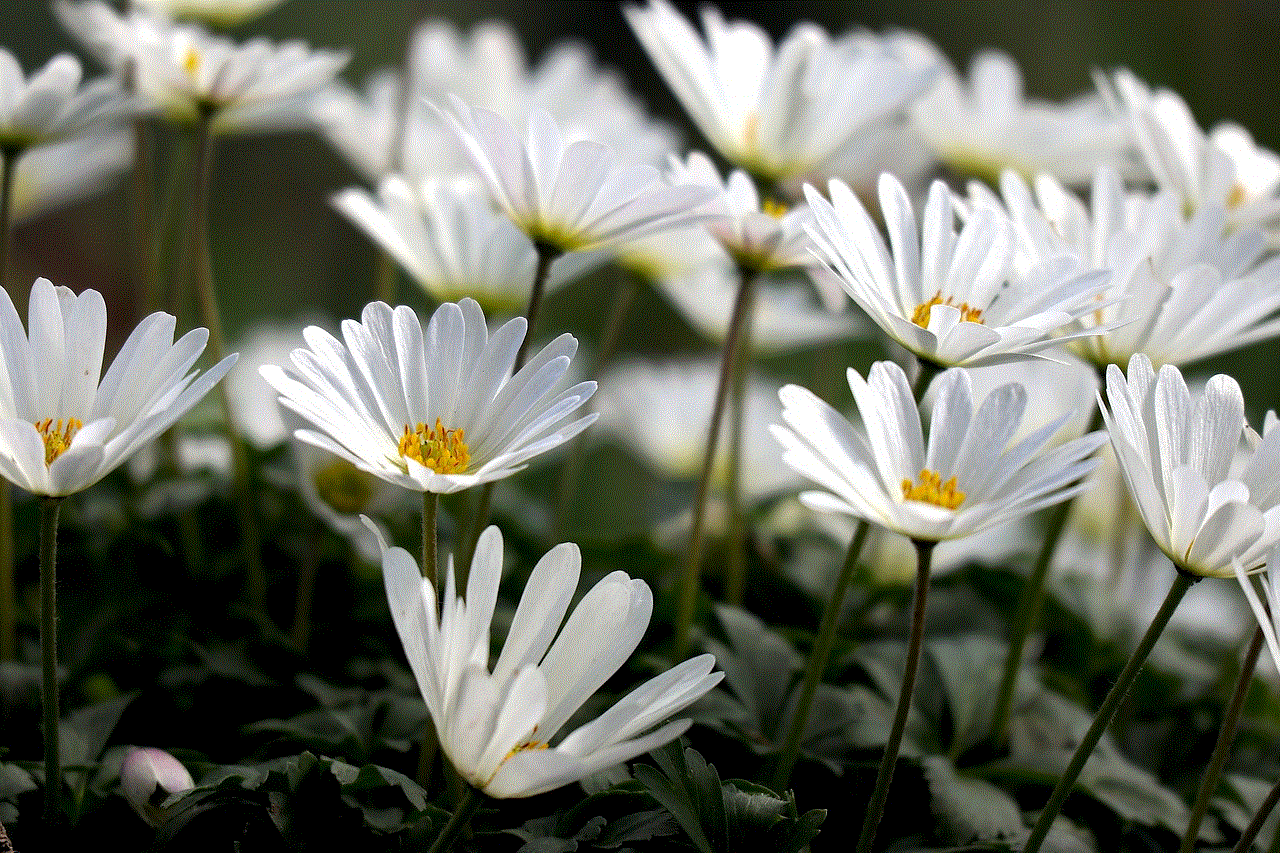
[
  {"x": 970, "y": 473},
  {"x": 500, "y": 726},
  {"x": 64, "y": 425},
  {"x": 434, "y": 411}
]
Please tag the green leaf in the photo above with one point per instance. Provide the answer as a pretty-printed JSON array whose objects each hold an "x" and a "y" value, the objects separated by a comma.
[{"x": 969, "y": 809}]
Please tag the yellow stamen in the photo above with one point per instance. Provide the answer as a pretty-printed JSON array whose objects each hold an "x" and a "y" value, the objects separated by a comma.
[
  {"x": 344, "y": 487},
  {"x": 968, "y": 313},
  {"x": 525, "y": 747},
  {"x": 931, "y": 490},
  {"x": 442, "y": 450},
  {"x": 1237, "y": 196},
  {"x": 773, "y": 207},
  {"x": 191, "y": 61},
  {"x": 56, "y": 437}
]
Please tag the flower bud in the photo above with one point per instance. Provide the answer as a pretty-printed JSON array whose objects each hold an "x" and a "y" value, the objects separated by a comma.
[{"x": 150, "y": 776}]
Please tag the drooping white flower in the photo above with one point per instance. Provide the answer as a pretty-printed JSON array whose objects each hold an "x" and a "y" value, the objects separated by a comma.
[
  {"x": 1177, "y": 453},
  {"x": 970, "y": 474},
  {"x": 186, "y": 72},
  {"x": 952, "y": 299},
  {"x": 51, "y": 104},
  {"x": 776, "y": 112},
  {"x": 500, "y": 727},
  {"x": 63, "y": 424},
  {"x": 437, "y": 412},
  {"x": 572, "y": 195},
  {"x": 1179, "y": 288},
  {"x": 148, "y": 777},
  {"x": 453, "y": 244}
]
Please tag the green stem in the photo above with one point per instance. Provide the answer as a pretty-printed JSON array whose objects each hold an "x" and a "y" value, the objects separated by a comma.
[
  {"x": 735, "y": 579},
  {"x": 915, "y": 643},
  {"x": 8, "y": 598},
  {"x": 427, "y": 754},
  {"x": 300, "y": 633},
  {"x": 1110, "y": 705},
  {"x": 1029, "y": 607},
  {"x": 818, "y": 658},
  {"x": 141, "y": 212},
  {"x": 212, "y": 318},
  {"x": 547, "y": 255},
  {"x": 1226, "y": 736},
  {"x": 1255, "y": 826},
  {"x": 458, "y": 821},
  {"x": 49, "y": 507},
  {"x": 430, "y": 508},
  {"x": 688, "y": 595},
  {"x": 9, "y": 157},
  {"x": 928, "y": 370},
  {"x": 387, "y": 277}
]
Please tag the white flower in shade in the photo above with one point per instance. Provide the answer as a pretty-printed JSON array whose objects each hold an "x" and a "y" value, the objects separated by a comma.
[
  {"x": 570, "y": 195},
  {"x": 453, "y": 244},
  {"x": 662, "y": 411},
  {"x": 776, "y": 112},
  {"x": 55, "y": 175},
  {"x": 1176, "y": 454},
  {"x": 148, "y": 777},
  {"x": 1267, "y": 608},
  {"x": 988, "y": 125},
  {"x": 499, "y": 728},
  {"x": 186, "y": 72},
  {"x": 438, "y": 412},
  {"x": 760, "y": 234},
  {"x": 785, "y": 316},
  {"x": 1223, "y": 168},
  {"x": 952, "y": 299},
  {"x": 1179, "y": 289},
  {"x": 51, "y": 103},
  {"x": 219, "y": 13},
  {"x": 971, "y": 474},
  {"x": 61, "y": 429},
  {"x": 343, "y": 496}
]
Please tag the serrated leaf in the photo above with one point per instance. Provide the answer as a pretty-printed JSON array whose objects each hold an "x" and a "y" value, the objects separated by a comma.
[
  {"x": 638, "y": 826},
  {"x": 970, "y": 809}
]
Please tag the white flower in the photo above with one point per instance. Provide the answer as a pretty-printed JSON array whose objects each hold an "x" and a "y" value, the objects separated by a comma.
[
  {"x": 54, "y": 175},
  {"x": 497, "y": 727},
  {"x": 662, "y": 411},
  {"x": 570, "y": 195},
  {"x": 1267, "y": 613},
  {"x": 988, "y": 125},
  {"x": 1179, "y": 289},
  {"x": 969, "y": 475},
  {"x": 343, "y": 496},
  {"x": 219, "y": 13},
  {"x": 951, "y": 299},
  {"x": 434, "y": 413},
  {"x": 759, "y": 234},
  {"x": 148, "y": 777},
  {"x": 453, "y": 244},
  {"x": 61, "y": 429},
  {"x": 186, "y": 72},
  {"x": 1176, "y": 456},
  {"x": 775, "y": 112},
  {"x": 785, "y": 316},
  {"x": 51, "y": 104}
]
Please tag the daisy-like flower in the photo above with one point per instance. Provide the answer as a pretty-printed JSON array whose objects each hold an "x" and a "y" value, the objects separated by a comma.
[
  {"x": 1176, "y": 454},
  {"x": 1179, "y": 289},
  {"x": 452, "y": 243},
  {"x": 776, "y": 112},
  {"x": 969, "y": 475},
  {"x": 188, "y": 73},
  {"x": 988, "y": 126},
  {"x": 434, "y": 413},
  {"x": 1267, "y": 611},
  {"x": 497, "y": 726},
  {"x": 953, "y": 299},
  {"x": 63, "y": 429},
  {"x": 51, "y": 103},
  {"x": 573, "y": 196},
  {"x": 759, "y": 234}
]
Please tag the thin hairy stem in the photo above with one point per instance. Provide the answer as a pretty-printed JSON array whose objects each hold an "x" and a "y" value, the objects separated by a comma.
[
  {"x": 458, "y": 822},
  {"x": 49, "y": 657},
  {"x": 430, "y": 509}
]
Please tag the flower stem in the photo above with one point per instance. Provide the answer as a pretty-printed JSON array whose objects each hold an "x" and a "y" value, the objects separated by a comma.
[
  {"x": 49, "y": 507},
  {"x": 688, "y": 596},
  {"x": 735, "y": 577},
  {"x": 1255, "y": 826},
  {"x": 212, "y": 318},
  {"x": 1226, "y": 735},
  {"x": 1029, "y": 606},
  {"x": 927, "y": 372},
  {"x": 458, "y": 821},
  {"x": 1110, "y": 705},
  {"x": 547, "y": 255},
  {"x": 8, "y": 600},
  {"x": 300, "y": 632},
  {"x": 386, "y": 276},
  {"x": 430, "y": 509},
  {"x": 915, "y": 643},
  {"x": 818, "y": 658}
]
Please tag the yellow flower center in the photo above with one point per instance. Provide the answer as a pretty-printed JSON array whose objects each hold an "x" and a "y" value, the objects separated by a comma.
[
  {"x": 191, "y": 61},
  {"x": 344, "y": 487},
  {"x": 967, "y": 313},
  {"x": 773, "y": 207},
  {"x": 1238, "y": 196},
  {"x": 442, "y": 450},
  {"x": 57, "y": 438},
  {"x": 931, "y": 490}
]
